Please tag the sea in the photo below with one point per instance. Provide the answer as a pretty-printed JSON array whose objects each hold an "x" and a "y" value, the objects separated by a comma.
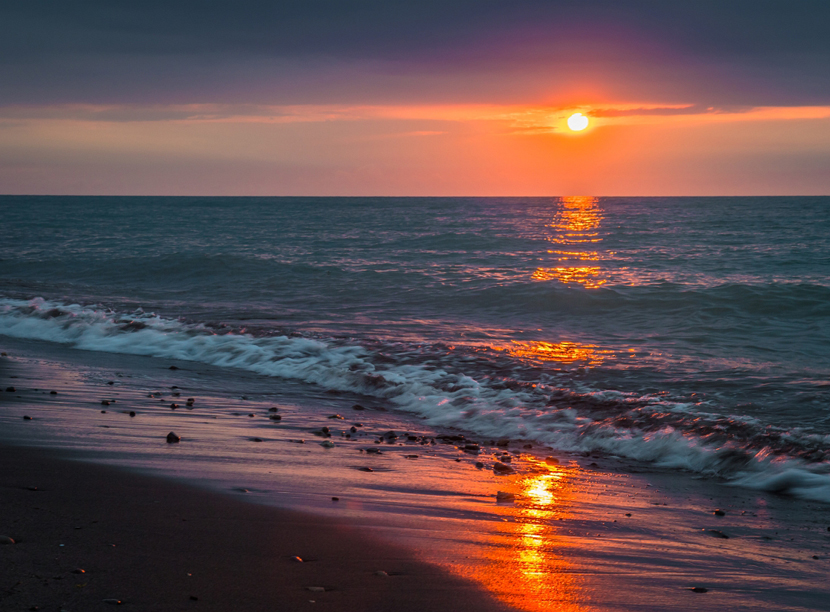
[{"x": 688, "y": 334}]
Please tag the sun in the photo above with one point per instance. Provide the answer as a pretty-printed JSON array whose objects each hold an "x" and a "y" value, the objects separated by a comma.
[{"x": 577, "y": 122}]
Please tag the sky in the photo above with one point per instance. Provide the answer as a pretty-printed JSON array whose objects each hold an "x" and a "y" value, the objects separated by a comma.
[{"x": 449, "y": 98}]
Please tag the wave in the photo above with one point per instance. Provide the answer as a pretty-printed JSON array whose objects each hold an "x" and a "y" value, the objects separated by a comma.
[{"x": 485, "y": 392}]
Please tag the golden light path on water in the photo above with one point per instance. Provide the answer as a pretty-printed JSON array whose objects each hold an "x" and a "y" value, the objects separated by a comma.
[
  {"x": 575, "y": 226},
  {"x": 563, "y": 352}
]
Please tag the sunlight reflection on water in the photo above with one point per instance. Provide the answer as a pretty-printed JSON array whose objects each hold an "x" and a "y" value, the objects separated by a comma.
[{"x": 575, "y": 225}]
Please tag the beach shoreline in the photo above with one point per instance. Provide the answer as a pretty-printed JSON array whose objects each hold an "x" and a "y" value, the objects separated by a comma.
[{"x": 579, "y": 534}]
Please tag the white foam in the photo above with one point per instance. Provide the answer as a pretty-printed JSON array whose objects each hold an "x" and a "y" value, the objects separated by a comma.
[{"x": 440, "y": 395}]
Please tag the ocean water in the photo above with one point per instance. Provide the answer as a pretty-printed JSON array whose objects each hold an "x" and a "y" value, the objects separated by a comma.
[{"x": 689, "y": 333}]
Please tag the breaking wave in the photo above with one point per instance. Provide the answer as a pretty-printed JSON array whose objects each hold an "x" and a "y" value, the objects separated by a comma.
[{"x": 488, "y": 393}]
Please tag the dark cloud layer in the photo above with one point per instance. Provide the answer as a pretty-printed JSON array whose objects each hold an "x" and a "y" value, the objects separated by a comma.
[{"x": 736, "y": 52}]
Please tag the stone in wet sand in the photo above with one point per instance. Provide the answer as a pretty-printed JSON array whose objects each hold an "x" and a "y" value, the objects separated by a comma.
[
  {"x": 172, "y": 437},
  {"x": 26, "y": 417},
  {"x": 504, "y": 496},
  {"x": 718, "y": 512},
  {"x": 6, "y": 540},
  {"x": 699, "y": 590},
  {"x": 501, "y": 468}
]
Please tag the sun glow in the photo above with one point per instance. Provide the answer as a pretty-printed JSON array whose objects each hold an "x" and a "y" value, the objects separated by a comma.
[{"x": 577, "y": 122}]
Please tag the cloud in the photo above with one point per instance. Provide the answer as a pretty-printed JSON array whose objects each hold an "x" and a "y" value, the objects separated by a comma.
[{"x": 768, "y": 52}]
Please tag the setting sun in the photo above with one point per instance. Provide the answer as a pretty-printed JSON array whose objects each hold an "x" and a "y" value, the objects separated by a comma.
[{"x": 577, "y": 122}]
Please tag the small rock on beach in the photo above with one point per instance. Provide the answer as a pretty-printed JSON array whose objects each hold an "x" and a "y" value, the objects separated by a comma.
[
  {"x": 173, "y": 437},
  {"x": 6, "y": 540}
]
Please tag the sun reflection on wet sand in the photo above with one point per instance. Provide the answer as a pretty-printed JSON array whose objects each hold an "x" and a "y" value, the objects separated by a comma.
[
  {"x": 525, "y": 567},
  {"x": 575, "y": 225}
]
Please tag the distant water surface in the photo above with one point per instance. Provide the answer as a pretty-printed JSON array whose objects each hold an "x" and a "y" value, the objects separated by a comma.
[{"x": 689, "y": 332}]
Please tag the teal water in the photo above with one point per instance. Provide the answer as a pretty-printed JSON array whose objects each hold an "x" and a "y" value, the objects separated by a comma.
[{"x": 688, "y": 332}]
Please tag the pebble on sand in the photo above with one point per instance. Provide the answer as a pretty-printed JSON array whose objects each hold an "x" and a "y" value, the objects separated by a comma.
[
  {"x": 335, "y": 499},
  {"x": 6, "y": 540},
  {"x": 297, "y": 559},
  {"x": 366, "y": 469},
  {"x": 699, "y": 590},
  {"x": 115, "y": 602},
  {"x": 10, "y": 389},
  {"x": 276, "y": 417},
  {"x": 327, "y": 444},
  {"x": 504, "y": 496},
  {"x": 273, "y": 409},
  {"x": 316, "y": 589},
  {"x": 173, "y": 406},
  {"x": 382, "y": 574},
  {"x": 551, "y": 460},
  {"x": 358, "y": 407},
  {"x": 335, "y": 416},
  {"x": 53, "y": 393},
  {"x": 132, "y": 413},
  {"x": 27, "y": 417},
  {"x": 105, "y": 403},
  {"x": 501, "y": 468},
  {"x": 479, "y": 464},
  {"x": 717, "y": 533},
  {"x": 718, "y": 512},
  {"x": 173, "y": 437}
]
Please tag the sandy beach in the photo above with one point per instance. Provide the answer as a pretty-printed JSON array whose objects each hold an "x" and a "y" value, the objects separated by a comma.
[
  {"x": 220, "y": 515},
  {"x": 156, "y": 545}
]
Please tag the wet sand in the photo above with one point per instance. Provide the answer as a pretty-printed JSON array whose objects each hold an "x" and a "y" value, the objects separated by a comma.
[{"x": 158, "y": 545}]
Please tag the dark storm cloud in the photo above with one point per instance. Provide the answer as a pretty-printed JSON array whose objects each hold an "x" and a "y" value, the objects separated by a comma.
[{"x": 735, "y": 52}]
